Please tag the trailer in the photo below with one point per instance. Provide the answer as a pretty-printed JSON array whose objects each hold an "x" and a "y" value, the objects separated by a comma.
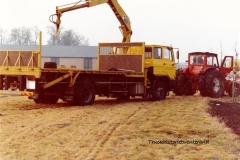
[{"x": 125, "y": 69}]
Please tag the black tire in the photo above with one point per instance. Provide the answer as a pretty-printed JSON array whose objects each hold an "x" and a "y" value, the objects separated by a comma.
[
  {"x": 176, "y": 83},
  {"x": 85, "y": 93},
  {"x": 50, "y": 65},
  {"x": 159, "y": 92},
  {"x": 202, "y": 85},
  {"x": 215, "y": 84},
  {"x": 183, "y": 87}
]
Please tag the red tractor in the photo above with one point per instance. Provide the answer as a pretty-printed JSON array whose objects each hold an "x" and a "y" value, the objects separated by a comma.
[{"x": 203, "y": 73}]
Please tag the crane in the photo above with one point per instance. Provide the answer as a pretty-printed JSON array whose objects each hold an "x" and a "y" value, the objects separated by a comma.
[{"x": 122, "y": 17}]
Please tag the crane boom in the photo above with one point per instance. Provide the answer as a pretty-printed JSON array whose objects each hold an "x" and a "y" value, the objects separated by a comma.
[{"x": 122, "y": 17}]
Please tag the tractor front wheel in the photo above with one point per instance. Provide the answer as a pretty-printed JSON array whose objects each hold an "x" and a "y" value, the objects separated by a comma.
[{"x": 215, "y": 84}]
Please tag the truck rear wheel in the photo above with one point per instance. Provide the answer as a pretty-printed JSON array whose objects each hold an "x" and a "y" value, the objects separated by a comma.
[
  {"x": 215, "y": 84},
  {"x": 159, "y": 92},
  {"x": 85, "y": 93}
]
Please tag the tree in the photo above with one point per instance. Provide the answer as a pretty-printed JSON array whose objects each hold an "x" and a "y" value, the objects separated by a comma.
[
  {"x": 53, "y": 40},
  {"x": 35, "y": 31},
  {"x": 3, "y": 39},
  {"x": 21, "y": 36},
  {"x": 66, "y": 38}
]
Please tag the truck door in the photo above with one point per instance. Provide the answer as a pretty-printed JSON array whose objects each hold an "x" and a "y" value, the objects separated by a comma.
[
  {"x": 164, "y": 62},
  {"x": 169, "y": 65},
  {"x": 157, "y": 61},
  {"x": 227, "y": 65}
]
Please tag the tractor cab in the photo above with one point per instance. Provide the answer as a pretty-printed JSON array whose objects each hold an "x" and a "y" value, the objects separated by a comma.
[{"x": 200, "y": 62}]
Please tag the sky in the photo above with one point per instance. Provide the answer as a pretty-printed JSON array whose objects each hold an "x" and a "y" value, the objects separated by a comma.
[{"x": 190, "y": 25}]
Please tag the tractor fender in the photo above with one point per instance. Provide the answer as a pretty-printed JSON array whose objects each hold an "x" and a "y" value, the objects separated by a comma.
[
  {"x": 185, "y": 70},
  {"x": 208, "y": 70}
]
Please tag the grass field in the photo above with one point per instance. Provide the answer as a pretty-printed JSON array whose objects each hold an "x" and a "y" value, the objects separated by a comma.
[{"x": 175, "y": 128}]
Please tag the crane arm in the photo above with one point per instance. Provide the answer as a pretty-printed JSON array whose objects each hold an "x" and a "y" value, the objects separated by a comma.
[{"x": 122, "y": 17}]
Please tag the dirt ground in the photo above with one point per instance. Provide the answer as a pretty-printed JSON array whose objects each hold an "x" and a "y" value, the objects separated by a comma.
[
  {"x": 227, "y": 112},
  {"x": 112, "y": 129}
]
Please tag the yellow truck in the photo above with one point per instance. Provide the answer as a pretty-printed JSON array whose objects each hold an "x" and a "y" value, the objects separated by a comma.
[{"x": 125, "y": 69}]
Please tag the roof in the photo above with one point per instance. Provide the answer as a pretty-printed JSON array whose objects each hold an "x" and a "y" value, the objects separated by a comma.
[
  {"x": 58, "y": 51},
  {"x": 202, "y": 53}
]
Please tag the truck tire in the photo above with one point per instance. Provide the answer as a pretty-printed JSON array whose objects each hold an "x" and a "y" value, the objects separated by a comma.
[
  {"x": 183, "y": 87},
  {"x": 159, "y": 92},
  {"x": 215, "y": 84},
  {"x": 85, "y": 93},
  {"x": 50, "y": 65}
]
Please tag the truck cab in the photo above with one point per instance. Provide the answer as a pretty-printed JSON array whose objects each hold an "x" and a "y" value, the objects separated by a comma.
[{"x": 161, "y": 59}]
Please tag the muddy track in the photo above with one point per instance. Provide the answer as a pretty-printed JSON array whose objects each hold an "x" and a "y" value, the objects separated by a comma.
[{"x": 113, "y": 126}]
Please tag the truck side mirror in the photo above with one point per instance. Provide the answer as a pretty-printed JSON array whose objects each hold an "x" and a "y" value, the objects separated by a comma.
[{"x": 177, "y": 55}]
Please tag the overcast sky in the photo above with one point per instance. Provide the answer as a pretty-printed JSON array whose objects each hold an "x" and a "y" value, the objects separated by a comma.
[{"x": 190, "y": 25}]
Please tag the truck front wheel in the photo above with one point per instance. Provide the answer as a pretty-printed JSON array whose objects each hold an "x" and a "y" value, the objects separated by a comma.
[{"x": 159, "y": 92}]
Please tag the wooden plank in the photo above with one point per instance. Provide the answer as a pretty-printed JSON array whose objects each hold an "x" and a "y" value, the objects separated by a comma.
[{"x": 128, "y": 62}]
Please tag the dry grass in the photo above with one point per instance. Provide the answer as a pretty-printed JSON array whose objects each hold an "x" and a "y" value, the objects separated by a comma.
[{"x": 112, "y": 129}]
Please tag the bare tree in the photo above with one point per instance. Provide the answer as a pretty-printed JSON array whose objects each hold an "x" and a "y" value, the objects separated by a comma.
[
  {"x": 21, "y": 36},
  {"x": 53, "y": 40},
  {"x": 26, "y": 36},
  {"x": 3, "y": 38},
  {"x": 15, "y": 36},
  {"x": 35, "y": 30},
  {"x": 221, "y": 51},
  {"x": 66, "y": 38}
]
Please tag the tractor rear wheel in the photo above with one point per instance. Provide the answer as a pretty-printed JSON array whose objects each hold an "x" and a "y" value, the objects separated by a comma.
[
  {"x": 215, "y": 84},
  {"x": 202, "y": 84},
  {"x": 183, "y": 87}
]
